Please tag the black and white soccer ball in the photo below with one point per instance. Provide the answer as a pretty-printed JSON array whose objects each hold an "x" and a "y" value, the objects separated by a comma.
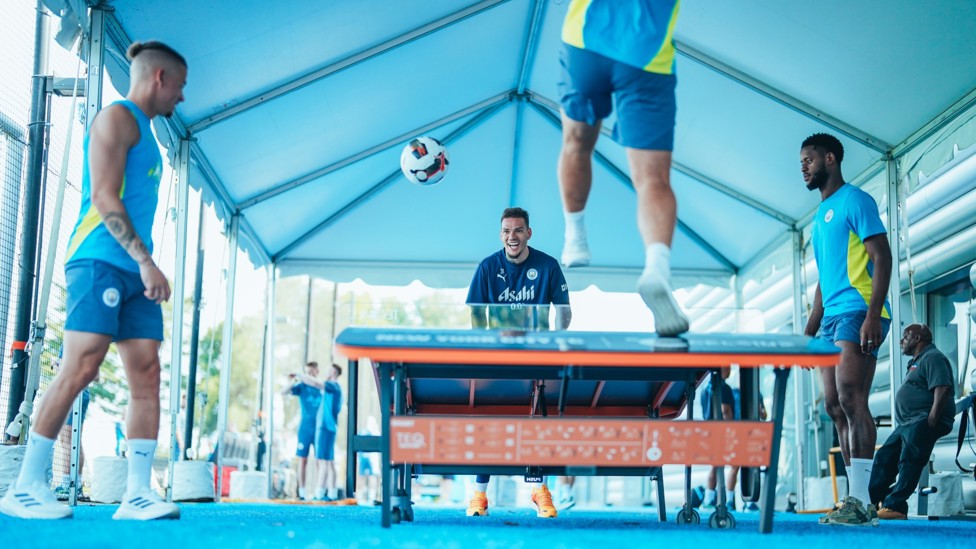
[{"x": 424, "y": 161}]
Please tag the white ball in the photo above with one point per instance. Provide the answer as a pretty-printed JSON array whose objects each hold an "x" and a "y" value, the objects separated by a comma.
[{"x": 424, "y": 161}]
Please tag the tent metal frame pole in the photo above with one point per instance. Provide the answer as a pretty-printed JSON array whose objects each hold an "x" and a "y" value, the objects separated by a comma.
[
  {"x": 225, "y": 205},
  {"x": 226, "y": 352},
  {"x": 622, "y": 177},
  {"x": 93, "y": 103},
  {"x": 459, "y": 132},
  {"x": 179, "y": 297},
  {"x": 346, "y": 63},
  {"x": 308, "y": 322},
  {"x": 782, "y": 97},
  {"x": 314, "y": 175},
  {"x": 542, "y": 103},
  {"x": 896, "y": 372},
  {"x": 270, "y": 300},
  {"x": 530, "y": 45},
  {"x": 191, "y": 376},
  {"x": 29, "y": 236},
  {"x": 800, "y": 378}
]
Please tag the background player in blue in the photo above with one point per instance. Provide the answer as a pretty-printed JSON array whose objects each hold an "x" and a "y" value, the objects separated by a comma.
[
  {"x": 326, "y": 426},
  {"x": 850, "y": 310},
  {"x": 513, "y": 288},
  {"x": 114, "y": 287},
  {"x": 309, "y": 398},
  {"x": 620, "y": 52}
]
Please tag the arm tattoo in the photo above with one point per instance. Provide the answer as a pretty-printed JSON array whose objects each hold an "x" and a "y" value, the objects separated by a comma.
[{"x": 120, "y": 226}]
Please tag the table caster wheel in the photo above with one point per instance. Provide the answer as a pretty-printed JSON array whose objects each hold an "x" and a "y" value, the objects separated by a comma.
[
  {"x": 688, "y": 516},
  {"x": 726, "y": 521}
]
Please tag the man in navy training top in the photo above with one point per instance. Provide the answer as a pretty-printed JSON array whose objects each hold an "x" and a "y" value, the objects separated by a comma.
[
  {"x": 114, "y": 288},
  {"x": 513, "y": 288},
  {"x": 309, "y": 398},
  {"x": 849, "y": 310}
]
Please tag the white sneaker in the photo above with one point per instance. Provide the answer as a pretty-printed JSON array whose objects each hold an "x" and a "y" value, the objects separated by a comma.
[
  {"x": 146, "y": 505},
  {"x": 34, "y": 502},
  {"x": 576, "y": 253},
  {"x": 567, "y": 502},
  {"x": 655, "y": 290}
]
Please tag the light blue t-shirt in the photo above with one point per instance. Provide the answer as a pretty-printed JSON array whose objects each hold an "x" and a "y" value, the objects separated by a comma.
[
  {"x": 139, "y": 194},
  {"x": 634, "y": 32},
  {"x": 843, "y": 222}
]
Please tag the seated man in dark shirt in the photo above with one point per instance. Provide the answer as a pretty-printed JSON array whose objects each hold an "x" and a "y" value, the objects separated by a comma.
[{"x": 924, "y": 412}]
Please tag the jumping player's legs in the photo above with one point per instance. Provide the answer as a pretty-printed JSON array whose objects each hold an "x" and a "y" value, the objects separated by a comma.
[
  {"x": 585, "y": 94},
  {"x": 575, "y": 172},
  {"x": 645, "y": 126}
]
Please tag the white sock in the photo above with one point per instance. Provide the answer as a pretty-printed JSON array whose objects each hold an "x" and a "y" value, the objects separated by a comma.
[
  {"x": 657, "y": 258},
  {"x": 319, "y": 493},
  {"x": 37, "y": 458},
  {"x": 141, "y": 453},
  {"x": 861, "y": 478},
  {"x": 333, "y": 493},
  {"x": 710, "y": 494},
  {"x": 301, "y": 493},
  {"x": 480, "y": 486},
  {"x": 575, "y": 228}
]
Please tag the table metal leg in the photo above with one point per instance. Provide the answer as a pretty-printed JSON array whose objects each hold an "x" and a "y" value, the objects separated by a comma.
[
  {"x": 768, "y": 491},
  {"x": 662, "y": 513},
  {"x": 352, "y": 428},
  {"x": 386, "y": 402}
]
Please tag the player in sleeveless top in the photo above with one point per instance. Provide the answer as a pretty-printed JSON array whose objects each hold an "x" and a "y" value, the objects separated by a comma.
[{"x": 114, "y": 288}]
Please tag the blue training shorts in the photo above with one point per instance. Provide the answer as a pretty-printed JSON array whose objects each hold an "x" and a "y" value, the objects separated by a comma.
[
  {"x": 847, "y": 327},
  {"x": 646, "y": 106},
  {"x": 325, "y": 444},
  {"x": 104, "y": 299},
  {"x": 306, "y": 437}
]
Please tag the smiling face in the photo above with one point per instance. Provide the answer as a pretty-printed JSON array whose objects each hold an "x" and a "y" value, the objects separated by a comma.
[
  {"x": 813, "y": 166},
  {"x": 515, "y": 235}
]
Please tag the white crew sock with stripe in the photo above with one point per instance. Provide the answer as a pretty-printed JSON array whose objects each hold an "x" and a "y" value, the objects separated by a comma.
[
  {"x": 140, "y": 456},
  {"x": 37, "y": 457}
]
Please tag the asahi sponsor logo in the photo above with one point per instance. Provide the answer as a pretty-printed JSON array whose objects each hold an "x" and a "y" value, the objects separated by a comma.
[{"x": 527, "y": 293}]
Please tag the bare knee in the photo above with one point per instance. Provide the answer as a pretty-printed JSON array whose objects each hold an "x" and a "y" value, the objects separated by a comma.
[
  {"x": 144, "y": 379},
  {"x": 834, "y": 410},
  {"x": 83, "y": 371},
  {"x": 577, "y": 145}
]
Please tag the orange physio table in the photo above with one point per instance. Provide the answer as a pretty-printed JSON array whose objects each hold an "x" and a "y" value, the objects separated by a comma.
[{"x": 563, "y": 403}]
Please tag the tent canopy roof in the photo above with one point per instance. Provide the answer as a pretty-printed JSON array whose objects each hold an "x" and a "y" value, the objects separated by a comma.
[{"x": 299, "y": 111}]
